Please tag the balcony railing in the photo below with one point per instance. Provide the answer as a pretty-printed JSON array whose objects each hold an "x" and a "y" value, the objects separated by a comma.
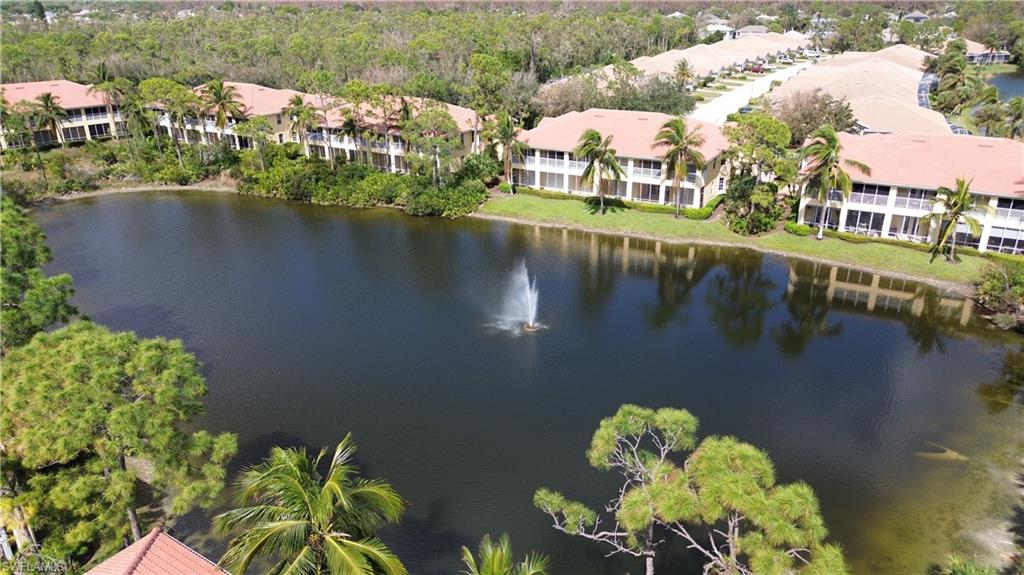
[
  {"x": 914, "y": 203},
  {"x": 531, "y": 161},
  {"x": 868, "y": 199},
  {"x": 647, "y": 173},
  {"x": 551, "y": 162},
  {"x": 577, "y": 166},
  {"x": 1008, "y": 214},
  {"x": 96, "y": 116}
]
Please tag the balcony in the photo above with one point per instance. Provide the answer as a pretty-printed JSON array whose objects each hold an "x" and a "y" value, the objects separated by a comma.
[
  {"x": 551, "y": 163},
  {"x": 1007, "y": 214},
  {"x": 869, "y": 199},
  {"x": 577, "y": 166},
  {"x": 530, "y": 160},
  {"x": 914, "y": 203},
  {"x": 652, "y": 173}
]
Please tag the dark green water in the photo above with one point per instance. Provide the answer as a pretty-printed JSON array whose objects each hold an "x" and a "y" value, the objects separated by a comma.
[{"x": 312, "y": 322}]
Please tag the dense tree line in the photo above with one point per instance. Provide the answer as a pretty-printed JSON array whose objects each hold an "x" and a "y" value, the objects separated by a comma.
[{"x": 425, "y": 52}]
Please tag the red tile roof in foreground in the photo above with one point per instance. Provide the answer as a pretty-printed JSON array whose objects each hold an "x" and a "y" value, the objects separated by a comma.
[
  {"x": 995, "y": 165},
  {"x": 70, "y": 95},
  {"x": 157, "y": 554},
  {"x": 633, "y": 133}
]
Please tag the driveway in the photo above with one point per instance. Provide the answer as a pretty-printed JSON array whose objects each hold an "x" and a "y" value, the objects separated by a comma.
[{"x": 728, "y": 102}]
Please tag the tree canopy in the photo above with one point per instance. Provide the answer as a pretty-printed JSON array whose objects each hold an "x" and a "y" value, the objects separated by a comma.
[{"x": 723, "y": 500}]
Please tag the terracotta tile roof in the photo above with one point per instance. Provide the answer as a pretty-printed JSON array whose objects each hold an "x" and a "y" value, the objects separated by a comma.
[
  {"x": 901, "y": 54},
  {"x": 70, "y": 94},
  {"x": 996, "y": 165},
  {"x": 633, "y": 133},
  {"x": 157, "y": 554},
  {"x": 881, "y": 113},
  {"x": 263, "y": 101}
]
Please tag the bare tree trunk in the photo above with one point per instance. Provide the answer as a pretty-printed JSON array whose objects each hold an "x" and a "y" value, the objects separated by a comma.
[
  {"x": 679, "y": 190},
  {"x": 823, "y": 220},
  {"x": 133, "y": 516}
]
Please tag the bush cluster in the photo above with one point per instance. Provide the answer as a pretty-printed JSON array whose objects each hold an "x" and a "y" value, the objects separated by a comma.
[
  {"x": 283, "y": 171},
  {"x": 798, "y": 229}
]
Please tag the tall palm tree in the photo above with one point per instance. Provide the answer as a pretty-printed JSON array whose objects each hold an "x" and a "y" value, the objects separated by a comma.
[
  {"x": 682, "y": 148},
  {"x": 257, "y": 130},
  {"x": 505, "y": 132},
  {"x": 50, "y": 114},
  {"x": 497, "y": 559},
  {"x": 308, "y": 522},
  {"x": 1015, "y": 115},
  {"x": 104, "y": 85},
  {"x": 598, "y": 153},
  {"x": 180, "y": 106},
  {"x": 824, "y": 171},
  {"x": 223, "y": 101},
  {"x": 302, "y": 118},
  {"x": 956, "y": 204},
  {"x": 351, "y": 128}
]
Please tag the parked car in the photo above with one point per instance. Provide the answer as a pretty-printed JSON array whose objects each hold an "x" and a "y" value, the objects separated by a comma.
[
  {"x": 746, "y": 110},
  {"x": 785, "y": 60},
  {"x": 757, "y": 68}
]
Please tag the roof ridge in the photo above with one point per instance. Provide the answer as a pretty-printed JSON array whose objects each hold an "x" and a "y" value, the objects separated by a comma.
[
  {"x": 147, "y": 542},
  {"x": 194, "y": 552}
]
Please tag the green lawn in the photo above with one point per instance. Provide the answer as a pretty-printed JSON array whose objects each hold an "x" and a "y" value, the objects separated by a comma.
[{"x": 875, "y": 256}]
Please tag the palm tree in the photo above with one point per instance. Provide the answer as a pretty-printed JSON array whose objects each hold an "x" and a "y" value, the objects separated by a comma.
[
  {"x": 992, "y": 44},
  {"x": 308, "y": 522},
  {"x": 49, "y": 114},
  {"x": 104, "y": 85},
  {"x": 682, "y": 148},
  {"x": 684, "y": 73},
  {"x": 351, "y": 128},
  {"x": 257, "y": 130},
  {"x": 598, "y": 153},
  {"x": 956, "y": 206},
  {"x": 223, "y": 101},
  {"x": 180, "y": 106},
  {"x": 505, "y": 132},
  {"x": 824, "y": 169},
  {"x": 497, "y": 559},
  {"x": 1015, "y": 115},
  {"x": 302, "y": 117}
]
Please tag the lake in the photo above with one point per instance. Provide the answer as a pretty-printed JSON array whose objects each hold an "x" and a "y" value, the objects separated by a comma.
[
  {"x": 1009, "y": 85},
  {"x": 312, "y": 322}
]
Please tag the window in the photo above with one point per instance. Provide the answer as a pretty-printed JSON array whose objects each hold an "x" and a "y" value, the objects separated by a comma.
[
  {"x": 280, "y": 138},
  {"x": 1006, "y": 240},
  {"x": 1008, "y": 208},
  {"x": 721, "y": 183},
  {"x": 647, "y": 192},
  {"x": 524, "y": 177},
  {"x": 551, "y": 158},
  {"x": 857, "y": 220},
  {"x": 870, "y": 194},
  {"x": 963, "y": 237},
  {"x": 99, "y": 130},
  {"x": 74, "y": 134},
  {"x": 812, "y": 217},
  {"x": 551, "y": 181},
  {"x": 279, "y": 119}
]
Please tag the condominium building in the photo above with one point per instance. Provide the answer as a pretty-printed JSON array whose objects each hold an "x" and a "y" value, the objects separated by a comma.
[
  {"x": 977, "y": 53},
  {"x": 327, "y": 138},
  {"x": 88, "y": 117},
  {"x": 896, "y": 198},
  {"x": 549, "y": 164}
]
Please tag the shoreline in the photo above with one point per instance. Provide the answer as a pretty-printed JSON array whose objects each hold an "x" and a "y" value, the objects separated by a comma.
[
  {"x": 958, "y": 288},
  {"x": 110, "y": 191},
  {"x": 961, "y": 289}
]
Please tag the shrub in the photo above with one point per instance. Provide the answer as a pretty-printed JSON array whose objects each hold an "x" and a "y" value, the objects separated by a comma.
[
  {"x": 699, "y": 98},
  {"x": 1000, "y": 287},
  {"x": 448, "y": 202},
  {"x": 379, "y": 188},
  {"x": 483, "y": 167},
  {"x": 505, "y": 188},
  {"x": 798, "y": 229}
]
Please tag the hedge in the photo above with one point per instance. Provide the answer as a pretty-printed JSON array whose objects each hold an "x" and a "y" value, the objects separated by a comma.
[
  {"x": 613, "y": 202},
  {"x": 798, "y": 229}
]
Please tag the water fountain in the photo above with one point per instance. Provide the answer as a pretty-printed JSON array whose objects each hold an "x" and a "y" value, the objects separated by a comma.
[{"x": 519, "y": 306}]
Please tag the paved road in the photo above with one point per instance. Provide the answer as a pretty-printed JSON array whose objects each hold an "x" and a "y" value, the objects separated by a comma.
[{"x": 716, "y": 110}]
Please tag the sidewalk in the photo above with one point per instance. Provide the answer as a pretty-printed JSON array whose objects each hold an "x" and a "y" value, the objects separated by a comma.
[{"x": 716, "y": 110}]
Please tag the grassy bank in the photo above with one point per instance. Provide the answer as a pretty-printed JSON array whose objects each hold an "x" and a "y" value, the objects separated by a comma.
[{"x": 880, "y": 257}]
